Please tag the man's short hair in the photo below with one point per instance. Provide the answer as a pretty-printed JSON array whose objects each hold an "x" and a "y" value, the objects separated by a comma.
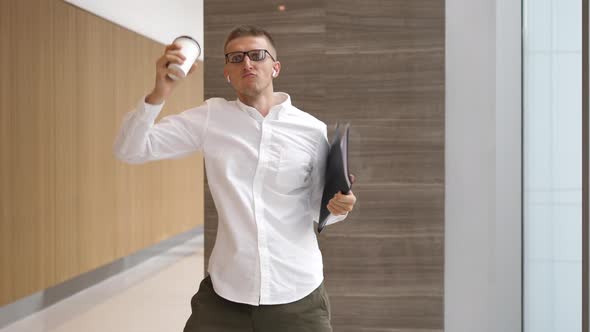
[{"x": 248, "y": 31}]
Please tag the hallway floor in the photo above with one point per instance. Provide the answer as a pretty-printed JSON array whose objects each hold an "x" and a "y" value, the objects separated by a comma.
[{"x": 151, "y": 296}]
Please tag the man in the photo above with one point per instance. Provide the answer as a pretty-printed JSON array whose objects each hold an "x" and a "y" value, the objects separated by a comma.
[{"x": 265, "y": 161}]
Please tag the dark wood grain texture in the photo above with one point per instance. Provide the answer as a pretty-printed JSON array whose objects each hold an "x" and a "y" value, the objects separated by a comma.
[{"x": 380, "y": 66}]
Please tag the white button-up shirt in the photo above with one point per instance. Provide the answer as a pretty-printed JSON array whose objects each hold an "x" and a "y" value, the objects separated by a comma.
[{"x": 266, "y": 178}]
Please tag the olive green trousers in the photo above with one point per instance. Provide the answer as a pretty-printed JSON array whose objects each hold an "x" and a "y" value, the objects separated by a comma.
[{"x": 212, "y": 313}]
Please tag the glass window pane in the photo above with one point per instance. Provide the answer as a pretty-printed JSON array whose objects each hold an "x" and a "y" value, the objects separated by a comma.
[{"x": 552, "y": 165}]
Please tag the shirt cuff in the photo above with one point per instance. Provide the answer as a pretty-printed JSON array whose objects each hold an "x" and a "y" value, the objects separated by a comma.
[
  {"x": 331, "y": 219},
  {"x": 148, "y": 112}
]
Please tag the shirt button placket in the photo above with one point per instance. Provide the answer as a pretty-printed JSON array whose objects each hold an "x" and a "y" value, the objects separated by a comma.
[{"x": 259, "y": 211}]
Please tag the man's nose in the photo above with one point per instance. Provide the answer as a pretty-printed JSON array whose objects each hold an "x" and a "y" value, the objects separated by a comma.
[{"x": 247, "y": 63}]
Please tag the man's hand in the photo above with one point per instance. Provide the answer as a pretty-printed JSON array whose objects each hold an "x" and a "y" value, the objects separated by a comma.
[
  {"x": 164, "y": 84},
  {"x": 341, "y": 204}
]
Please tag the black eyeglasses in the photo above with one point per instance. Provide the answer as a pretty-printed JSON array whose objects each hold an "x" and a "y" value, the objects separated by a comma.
[{"x": 254, "y": 55}]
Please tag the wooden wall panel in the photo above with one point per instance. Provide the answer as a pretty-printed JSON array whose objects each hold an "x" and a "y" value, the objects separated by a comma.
[
  {"x": 393, "y": 94},
  {"x": 67, "y": 205},
  {"x": 27, "y": 194},
  {"x": 380, "y": 65}
]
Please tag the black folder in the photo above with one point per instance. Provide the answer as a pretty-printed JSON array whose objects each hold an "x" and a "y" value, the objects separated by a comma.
[{"x": 337, "y": 176}]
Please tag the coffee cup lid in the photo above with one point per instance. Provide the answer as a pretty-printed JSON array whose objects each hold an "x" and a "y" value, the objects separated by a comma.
[{"x": 188, "y": 37}]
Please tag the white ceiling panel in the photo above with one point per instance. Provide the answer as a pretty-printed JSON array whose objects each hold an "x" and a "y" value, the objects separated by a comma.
[{"x": 159, "y": 20}]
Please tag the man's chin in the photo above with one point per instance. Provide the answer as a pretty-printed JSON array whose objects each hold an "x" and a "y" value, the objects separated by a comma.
[{"x": 250, "y": 91}]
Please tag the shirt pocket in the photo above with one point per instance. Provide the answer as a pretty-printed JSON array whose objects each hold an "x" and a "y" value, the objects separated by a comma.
[{"x": 294, "y": 170}]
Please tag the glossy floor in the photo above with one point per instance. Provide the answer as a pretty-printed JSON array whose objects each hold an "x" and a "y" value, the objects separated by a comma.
[{"x": 152, "y": 296}]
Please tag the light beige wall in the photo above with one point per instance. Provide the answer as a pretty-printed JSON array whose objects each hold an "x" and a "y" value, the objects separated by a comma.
[{"x": 67, "y": 205}]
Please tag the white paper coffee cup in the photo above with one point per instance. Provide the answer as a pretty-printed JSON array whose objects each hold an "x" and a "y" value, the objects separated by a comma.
[{"x": 191, "y": 49}]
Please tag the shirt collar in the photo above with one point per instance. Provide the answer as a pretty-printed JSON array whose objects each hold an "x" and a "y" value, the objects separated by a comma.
[{"x": 275, "y": 111}]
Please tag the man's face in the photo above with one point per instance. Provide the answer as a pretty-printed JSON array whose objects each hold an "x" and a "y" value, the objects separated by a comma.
[{"x": 249, "y": 77}]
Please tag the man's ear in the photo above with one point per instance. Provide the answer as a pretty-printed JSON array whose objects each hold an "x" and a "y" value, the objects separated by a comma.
[{"x": 276, "y": 69}]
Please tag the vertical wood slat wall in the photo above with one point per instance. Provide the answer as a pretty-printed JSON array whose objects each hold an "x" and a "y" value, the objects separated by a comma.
[
  {"x": 379, "y": 65},
  {"x": 67, "y": 205}
]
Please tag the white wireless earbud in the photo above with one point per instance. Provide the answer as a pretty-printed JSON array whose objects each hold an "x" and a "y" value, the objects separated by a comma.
[
  {"x": 228, "y": 80},
  {"x": 274, "y": 73}
]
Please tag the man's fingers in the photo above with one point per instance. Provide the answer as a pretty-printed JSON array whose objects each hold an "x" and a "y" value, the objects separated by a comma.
[
  {"x": 174, "y": 58},
  {"x": 177, "y": 53},
  {"x": 347, "y": 199},
  {"x": 172, "y": 46},
  {"x": 335, "y": 210},
  {"x": 340, "y": 205},
  {"x": 167, "y": 58}
]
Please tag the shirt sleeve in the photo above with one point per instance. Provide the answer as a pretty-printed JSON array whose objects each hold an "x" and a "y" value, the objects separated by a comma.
[
  {"x": 318, "y": 179},
  {"x": 175, "y": 136}
]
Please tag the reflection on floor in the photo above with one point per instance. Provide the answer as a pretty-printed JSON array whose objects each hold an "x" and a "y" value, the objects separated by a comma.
[{"x": 152, "y": 296}]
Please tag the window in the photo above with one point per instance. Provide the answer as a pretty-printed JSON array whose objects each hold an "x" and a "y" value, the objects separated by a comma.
[{"x": 552, "y": 51}]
